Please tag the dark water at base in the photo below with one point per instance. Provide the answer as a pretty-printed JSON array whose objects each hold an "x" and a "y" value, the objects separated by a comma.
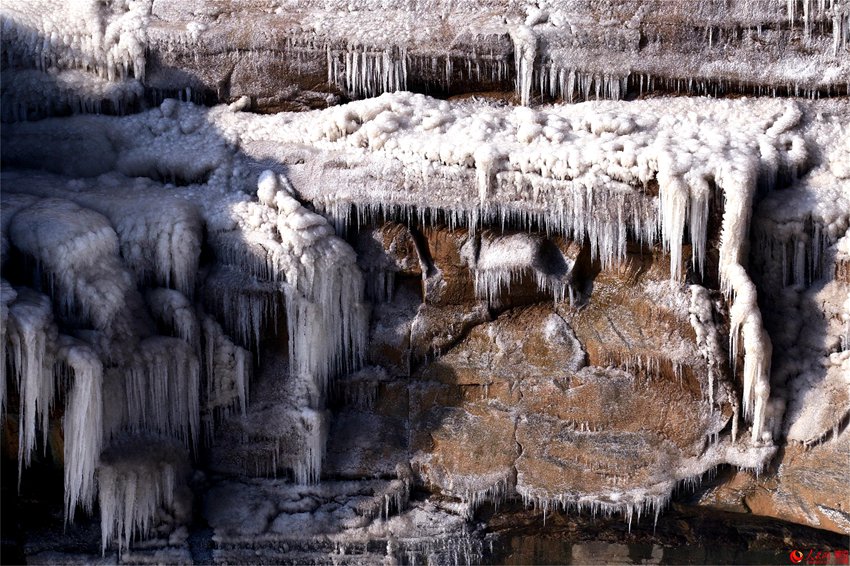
[
  {"x": 683, "y": 535},
  {"x": 538, "y": 550},
  {"x": 33, "y": 531}
]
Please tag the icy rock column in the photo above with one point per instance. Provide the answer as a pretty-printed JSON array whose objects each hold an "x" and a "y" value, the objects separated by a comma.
[
  {"x": 274, "y": 251},
  {"x": 738, "y": 185},
  {"x": 325, "y": 318}
]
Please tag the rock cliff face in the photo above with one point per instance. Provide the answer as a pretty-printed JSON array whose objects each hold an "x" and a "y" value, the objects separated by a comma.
[{"x": 345, "y": 334}]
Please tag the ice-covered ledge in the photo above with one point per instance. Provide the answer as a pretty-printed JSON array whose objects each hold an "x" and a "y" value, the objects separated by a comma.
[{"x": 84, "y": 56}]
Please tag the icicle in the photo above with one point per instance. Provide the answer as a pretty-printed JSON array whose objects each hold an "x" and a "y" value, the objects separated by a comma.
[
  {"x": 83, "y": 424},
  {"x": 163, "y": 389},
  {"x": 308, "y": 468},
  {"x": 136, "y": 479},
  {"x": 486, "y": 160},
  {"x": 32, "y": 337},
  {"x": 7, "y": 296},
  {"x": 744, "y": 314},
  {"x": 363, "y": 73},
  {"x": 525, "y": 53},
  {"x": 675, "y": 199}
]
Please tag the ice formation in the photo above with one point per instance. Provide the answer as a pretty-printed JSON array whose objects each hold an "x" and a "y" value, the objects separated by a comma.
[
  {"x": 78, "y": 54},
  {"x": 301, "y": 264},
  {"x": 127, "y": 380},
  {"x": 31, "y": 336},
  {"x": 600, "y": 192},
  {"x": 83, "y": 424},
  {"x": 226, "y": 221},
  {"x": 502, "y": 259},
  {"x": 135, "y": 480}
]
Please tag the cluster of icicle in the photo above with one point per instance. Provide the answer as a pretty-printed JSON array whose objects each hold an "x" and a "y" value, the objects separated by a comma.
[
  {"x": 79, "y": 34},
  {"x": 274, "y": 253},
  {"x": 133, "y": 387},
  {"x": 293, "y": 254},
  {"x": 369, "y": 71},
  {"x": 76, "y": 54},
  {"x": 118, "y": 378},
  {"x": 501, "y": 260},
  {"x": 807, "y": 11},
  {"x": 579, "y": 172},
  {"x": 363, "y": 72}
]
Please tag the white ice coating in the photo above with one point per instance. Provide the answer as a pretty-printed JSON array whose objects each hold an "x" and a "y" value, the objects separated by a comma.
[
  {"x": 649, "y": 499},
  {"x": 107, "y": 40},
  {"x": 135, "y": 480},
  {"x": 159, "y": 245},
  {"x": 83, "y": 424},
  {"x": 32, "y": 337},
  {"x": 296, "y": 252},
  {"x": 79, "y": 249},
  {"x": 503, "y": 259}
]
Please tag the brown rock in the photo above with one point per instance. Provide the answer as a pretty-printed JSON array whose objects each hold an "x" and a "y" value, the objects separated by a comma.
[
  {"x": 532, "y": 342},
  {"x": 636, "y": 318},
  {"x": 448, "y": 280},
  {"x": 437, "y": 329},
  {"x": 389, "y": 334},
  {"x": 807, "y": 486},
  {"x": 388, "y": 247},
  {"x": 600, "y": 431}
]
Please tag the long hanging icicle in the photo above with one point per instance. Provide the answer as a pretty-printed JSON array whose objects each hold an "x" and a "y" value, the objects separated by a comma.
[
  {"x": 7, "y": 296},
  {"x": 83, "y": 424},
  {"x": 32, "y": 337},
  {"x": 525, "y": 53}
]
